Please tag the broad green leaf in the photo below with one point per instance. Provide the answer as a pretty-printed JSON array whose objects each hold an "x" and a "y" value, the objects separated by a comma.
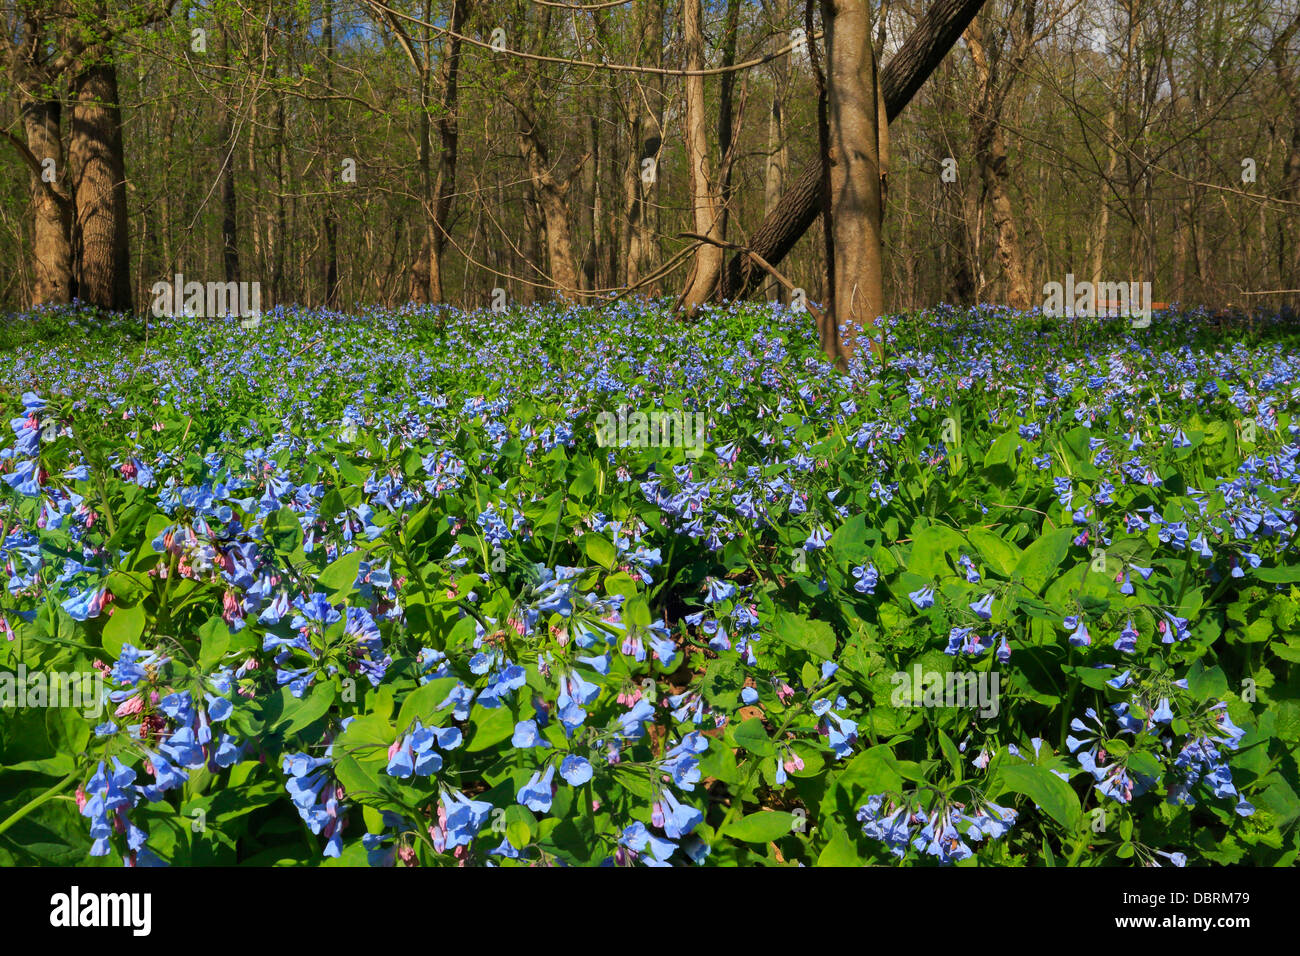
[{"x": 761, "y": 827}]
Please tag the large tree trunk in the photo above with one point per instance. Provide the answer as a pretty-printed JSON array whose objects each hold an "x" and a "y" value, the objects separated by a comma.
[
  {"x": 705, "y": 211},
  {"x": 553, "y": 199},
  {"x": 422, "y": 268},
  {"x": 726, "y": 121},
  {"x": 901, "y": 77},
  {"x": 52, "y": 207},
  {"x": 1097, "y": 240},
  {"x": 857, "y": 297},
  {"x": 449, "y": 139},
  {"x": 646, "y": 138},
  {"x": 778, "y": 152},
  {"x": 991, "y": 158},
  {"x": 103, "y": 266}
]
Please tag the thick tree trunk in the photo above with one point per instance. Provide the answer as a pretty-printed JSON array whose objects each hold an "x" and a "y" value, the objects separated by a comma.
[
  {"x": 726, "y": 121},
  {"x": 422, "y": 267},
  {"x": 229, "y": 232},
  {"x": 449, "y": 139},
  {"x": 649, "y": 106},
  {"x": 901, "y": 77},
  {"x": 1099, "y": 232},
  {"x": 589, "y": 206},
  {"x": 533, "y": 240},
  {"x": 857, "y": 297},
  {"x": 52, "y": 207},
  {"x": 553, "y": 200},
  {"x": 705, "y": 211},
  {"x": 778, "y": 152},
  {"x": 1289, "y": 273},
  {"x": 103, "y": 266},
  {"x": 991, "y": 158},
  {"x": 646, "y": 138}
]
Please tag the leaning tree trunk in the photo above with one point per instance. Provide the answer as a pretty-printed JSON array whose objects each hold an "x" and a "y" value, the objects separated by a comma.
[
  {"x": 103, "y": 266},
  {"x": 901, "y": 77},
  {"x": 52, "y": 207},
  {"x": 857, "y": 297},
  {"x": 706, "y": 213}
]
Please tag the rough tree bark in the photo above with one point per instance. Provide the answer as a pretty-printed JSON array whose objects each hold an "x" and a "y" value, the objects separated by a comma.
[
  {"x": 51, "y": 204},
  {"x": 726, "y": 121},
  {"x": 857, "y": 294},
  {"x": 778, "y": 152},
  {"x": 553, "y": 200},
  {"x": 647, "y": 138},
  {"x": 448, "y": 126},
  {"x": 100, "y": 238},
  {"x": 705, "y": 210},
  {"x": 900, "y": 78},
  {"x": 991, "y": 158}
]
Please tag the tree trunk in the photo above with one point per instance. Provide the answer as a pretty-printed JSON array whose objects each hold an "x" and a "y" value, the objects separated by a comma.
[
  {"x": 103, "y": 264},
  {"x": 229, "y": 218},
  {"x": 901, "y": 77},
  {"x": 705, "y": 212},
  {"x": 778, "y": 152},
  {"x": 553, "y": 199},
  {"x": 857, "y": 296},
  {"x": 991, "y": 158},
  {"x": 646, "y": 138},
  {"x": 52, "y": 207},
  {"x": 449, "y": 139},
  {"x": 726, "y": 132},
  {"x": 331, "y": 170}
]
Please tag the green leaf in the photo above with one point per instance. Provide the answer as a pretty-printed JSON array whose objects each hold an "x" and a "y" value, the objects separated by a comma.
[
  {"x": 753, "y": 738},
  {"x": 599, "y": 549},
  {"x": 520, "y": 826},
  {"x": 1284, "y": 575},
  {"x": 124, "y": 627},
  {"x": 761, "y": 827},
  {"x": 1140, "y": 762},
  {"x": 873, "y": 771},
  {"x": 338, "y": 578},
  {"x": 126, "y": 588},
  {"x": 1049, "y": 792},
  {"x": 815, "y": 637},
  {"x": 1041, "y": 559},
  {"x": 1003, "y": 450},
  {"x": 300, "y": 711},
  {"x": 840, "y": 851},
  {"x": 951, "y": 752},
  {"x": 489, "y": 728},
  {"x": 284, "y": 530},
  {"x": 1207, "y": 683},
  {"x": 420, "y": 703},
  {"x": 930, "y": 549},
  {"x": 214, "y": 639},
  {"x": 998, "y": 554}
]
